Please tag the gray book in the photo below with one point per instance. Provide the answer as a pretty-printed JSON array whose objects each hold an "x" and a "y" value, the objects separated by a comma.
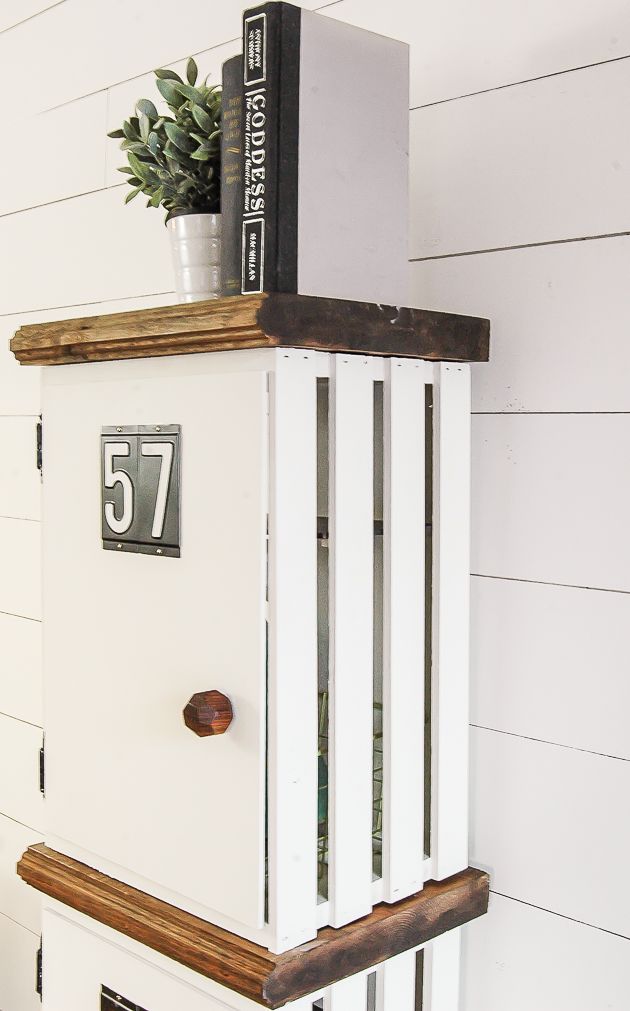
[{"x": 325, "y": 157}]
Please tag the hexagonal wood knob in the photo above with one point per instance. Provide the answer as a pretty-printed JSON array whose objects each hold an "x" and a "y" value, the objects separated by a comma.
[{"x": 208, "y": 713}]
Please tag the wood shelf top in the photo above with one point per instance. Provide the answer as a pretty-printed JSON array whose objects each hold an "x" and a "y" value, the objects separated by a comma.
[
  {"x": 257, "y": 321},
  {"x": 251, "y": 970}
]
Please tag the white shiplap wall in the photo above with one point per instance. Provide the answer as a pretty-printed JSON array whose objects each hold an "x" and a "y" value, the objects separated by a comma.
[{"x": 520, "y": 182}]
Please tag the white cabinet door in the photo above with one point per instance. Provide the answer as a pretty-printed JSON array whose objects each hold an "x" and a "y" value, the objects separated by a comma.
[{"x": 130, "y": 637}]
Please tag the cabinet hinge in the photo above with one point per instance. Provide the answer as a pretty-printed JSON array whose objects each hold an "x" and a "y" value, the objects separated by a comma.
[
  {"x": 39, "y": 971},
  {"x": 39, "y": 438},
  {"x": 42, "y": 770}
]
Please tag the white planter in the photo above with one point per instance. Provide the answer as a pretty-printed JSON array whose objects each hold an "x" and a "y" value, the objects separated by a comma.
[{"x": 196, "y": 250}]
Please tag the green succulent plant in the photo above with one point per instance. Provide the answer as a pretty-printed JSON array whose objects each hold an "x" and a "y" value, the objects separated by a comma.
[{"x": 175, "y": 160}]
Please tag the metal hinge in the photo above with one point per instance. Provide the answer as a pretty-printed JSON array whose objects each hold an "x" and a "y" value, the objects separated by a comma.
[
  {"x": 42, "y": 770},
  {"x": 39, "y": 973},
  {"x": 39, "y": 438}
]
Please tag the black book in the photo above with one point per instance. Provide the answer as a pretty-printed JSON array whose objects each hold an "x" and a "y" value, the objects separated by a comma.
[
  {"x": 325, "y": 157},
  {"x": 231, "y": 175}
]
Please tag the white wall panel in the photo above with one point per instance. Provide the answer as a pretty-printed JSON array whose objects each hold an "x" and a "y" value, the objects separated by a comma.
[
  {"x": 20, "y": 486},
  {"x": 551, "y": 824},
  {"x": 459, "y": 47},
  {"x": 13, "y": 12},
  {"x": 519, "y": 958},
  {"x": 66, "y": 172},
  {"x": 109, "y": 251},
  {"x": 17, "y": 899},
  {"x": 551, "y": 498},
  {"x": 542, "y": 161},
  {"x": 18, "y": 967},
  {"x": 83, "y": 46},
  {"x": 552, "y": 341},
  {"x": 20, "y": 575},
  {"x": 551, "y": 662},
  {"x": 21, "y": 668},
  {"x": 20, "y": 797}
]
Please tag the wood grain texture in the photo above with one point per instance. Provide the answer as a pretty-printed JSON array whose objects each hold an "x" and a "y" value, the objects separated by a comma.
[
  {"x": 208, "y": 713},
  {"x": 255, "y": 321},
  {"x": 270, "y": 980}
]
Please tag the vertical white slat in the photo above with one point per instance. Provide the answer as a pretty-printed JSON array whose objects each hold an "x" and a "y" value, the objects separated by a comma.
[
  {"x": 450, "y": 620},
  {"x": 348, "y": 994},
  {"x": 396, "y": 983},
  {"x": 351, "y": 602},
  {"x": 292, "y": 689},
  {"x": 404, "y": 626},
  {"x": 442, "y": 973}
]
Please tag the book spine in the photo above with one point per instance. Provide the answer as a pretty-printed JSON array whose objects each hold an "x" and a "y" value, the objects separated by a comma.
[
  {"x": 231, "y": 175},
  {"x": 270, "y": 154}
]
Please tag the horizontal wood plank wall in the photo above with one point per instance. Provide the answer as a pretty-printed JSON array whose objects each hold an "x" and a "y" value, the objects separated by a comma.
[
  {"x": 540, "y": 162},
  {"x": 511, "y": 190}
]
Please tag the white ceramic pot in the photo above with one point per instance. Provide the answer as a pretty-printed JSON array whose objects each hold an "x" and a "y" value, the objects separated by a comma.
[{"x": 196, "y": 249}]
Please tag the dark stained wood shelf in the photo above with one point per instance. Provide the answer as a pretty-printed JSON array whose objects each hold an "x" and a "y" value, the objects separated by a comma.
[
  {"x": 271, "y": 980},
  {"x": 257, "y": 321}
]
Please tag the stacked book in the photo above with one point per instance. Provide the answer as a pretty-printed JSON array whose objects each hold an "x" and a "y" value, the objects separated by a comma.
[{"x": 314, "y": 186}]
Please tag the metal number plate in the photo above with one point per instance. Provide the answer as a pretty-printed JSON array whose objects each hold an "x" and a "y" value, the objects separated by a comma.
[
  {"x": 112, "y": 1001},
  {"x": 140, "y": 484}
]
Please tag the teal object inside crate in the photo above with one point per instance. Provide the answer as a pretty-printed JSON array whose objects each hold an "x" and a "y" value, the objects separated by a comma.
[{"x": 322, "y": 795}]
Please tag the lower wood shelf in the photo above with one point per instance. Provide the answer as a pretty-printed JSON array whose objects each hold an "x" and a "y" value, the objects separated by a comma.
[{"x": 247, "y": 968}]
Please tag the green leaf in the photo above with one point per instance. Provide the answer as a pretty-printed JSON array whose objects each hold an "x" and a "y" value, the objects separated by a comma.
[
  {"x": 147, "y": 108},
  {"x": 140, "y": 169},
  {"x": 129, "y": 132},
  {"x": 191, "y": 71},
  {"x": 179, "y": 138},
  {"x": 192, "y": 94},
  {"x": 134, "y": 193},
  {"x": 201, "y": 155},
  {"x": 127, "y": 171},
  {"x": 156, "y": 199},
  {"x": 134, "y": 181},
  {"x": 202, "y": 119},
  {"x": 153, "y": 143},
  {"x": 116, "y": 134},
  {"x": 168, "y": 91},
  {"x": 167, "y": 75},
  {"x": 134, "y": 145},
  {"x": 145, "y": 127}
]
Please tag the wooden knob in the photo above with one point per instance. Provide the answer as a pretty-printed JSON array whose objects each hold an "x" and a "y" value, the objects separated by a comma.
[{"x": 208, "y": 713}]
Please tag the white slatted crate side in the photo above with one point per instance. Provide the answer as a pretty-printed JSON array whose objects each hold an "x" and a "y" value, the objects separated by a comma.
[
  {"x": 292, "y": 684},
  {"x": 18, "y": 900},
  {"x": 18, "y": 967},
  {"x": 21, "y": 486},
  {"x": 351, "y": 604},
  {"x": 520, "y": 958},
  {"x": 21, "y": 666},
  {"x": 404, "y": 626},
  {"x": 20, "y": 573},
  {"x": 396, "y": 983},
  {"x": 20, "y": 797},
  {"x": 450, "y": 619},
  {"x": 441, "y": 983},
  {"x": 348, "y": 994}
]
